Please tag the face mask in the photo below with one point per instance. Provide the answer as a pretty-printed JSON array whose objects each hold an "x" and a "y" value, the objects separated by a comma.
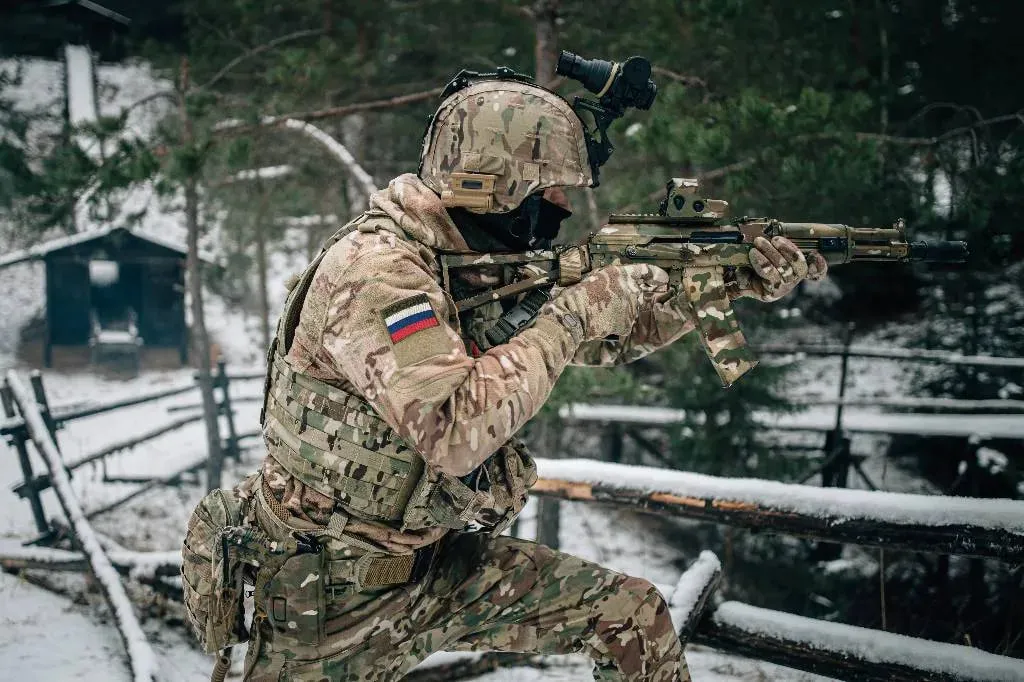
[{"x": 532, "y": 225}]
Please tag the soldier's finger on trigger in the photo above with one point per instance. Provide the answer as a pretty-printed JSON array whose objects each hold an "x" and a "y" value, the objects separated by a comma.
[{"x": 820, "y": 266}]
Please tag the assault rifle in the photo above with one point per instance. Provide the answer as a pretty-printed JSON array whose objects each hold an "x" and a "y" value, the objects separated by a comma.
[{"x": 690, "y": 239}]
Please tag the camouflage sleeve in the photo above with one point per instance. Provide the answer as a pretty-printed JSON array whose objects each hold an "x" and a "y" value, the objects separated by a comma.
[
  {"x": 390, "y": 329},
  {"x": 668, "y": 317}
]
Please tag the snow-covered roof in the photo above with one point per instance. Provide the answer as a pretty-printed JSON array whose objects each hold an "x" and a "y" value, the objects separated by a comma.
[{"x": 42, "y": 250}]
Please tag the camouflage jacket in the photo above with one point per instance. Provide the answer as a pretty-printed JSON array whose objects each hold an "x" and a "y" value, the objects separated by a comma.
[{"x": 377, "y": 322}]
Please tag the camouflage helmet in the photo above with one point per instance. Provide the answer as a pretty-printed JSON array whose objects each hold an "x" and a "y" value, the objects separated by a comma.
[{"x": 495, "y": 142}]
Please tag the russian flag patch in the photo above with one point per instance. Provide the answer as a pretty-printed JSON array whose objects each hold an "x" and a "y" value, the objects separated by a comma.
[{"x": 411, "y": 315}]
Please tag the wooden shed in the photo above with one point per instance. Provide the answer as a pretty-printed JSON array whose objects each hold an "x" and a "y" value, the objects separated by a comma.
[{"x": 110, "y": 292}]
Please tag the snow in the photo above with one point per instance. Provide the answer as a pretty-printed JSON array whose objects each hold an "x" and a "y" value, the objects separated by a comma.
[
  {"x": 338, "y": 150},
  {"x": 117, "y": 336},
  {"x": 855, "y": 421},
  {"x": 265, "y": 173},
  {"x": 141, "y": 656},
  {"x": 307, "y": 220},
  {"x": 959, "y": 662},
  {"x": 862, "y": 351},
  {"x": 40, "y": 250},
  {"x": 619, "y": 539},
  {"x": 81, "y": 85},
  {"x": 691, "y": 586},
  {"x": 839, "y": 503}
]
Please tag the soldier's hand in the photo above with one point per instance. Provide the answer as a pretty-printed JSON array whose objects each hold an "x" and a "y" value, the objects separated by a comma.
[
  {"x": 608, "y": 301},
  {"x": 776, "y": 267}
]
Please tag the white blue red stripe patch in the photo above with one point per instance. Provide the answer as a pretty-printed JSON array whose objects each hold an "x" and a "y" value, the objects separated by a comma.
[{"x": 407, "y": 317}]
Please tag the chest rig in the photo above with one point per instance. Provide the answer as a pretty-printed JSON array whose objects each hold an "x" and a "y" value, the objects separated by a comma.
[{"x": 334, "y": 442}]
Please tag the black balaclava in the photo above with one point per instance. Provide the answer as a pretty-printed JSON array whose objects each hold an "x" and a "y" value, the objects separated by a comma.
[{"x": 531, "y": 225}]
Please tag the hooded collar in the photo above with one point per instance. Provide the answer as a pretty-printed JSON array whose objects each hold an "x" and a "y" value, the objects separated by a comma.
[{"x": 418, "y": 211}]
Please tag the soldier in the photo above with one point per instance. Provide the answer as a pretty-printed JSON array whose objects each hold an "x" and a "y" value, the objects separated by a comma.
[{"x": 390, "y": 424}]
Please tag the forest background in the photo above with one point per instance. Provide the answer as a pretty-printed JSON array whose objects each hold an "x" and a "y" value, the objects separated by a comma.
[{"x": 843, "y": 111}]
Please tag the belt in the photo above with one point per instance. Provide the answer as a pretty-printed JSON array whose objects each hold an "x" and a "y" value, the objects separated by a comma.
[{"x": 374, "y": 570}]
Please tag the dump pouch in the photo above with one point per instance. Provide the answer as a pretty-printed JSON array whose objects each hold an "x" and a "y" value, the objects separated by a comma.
[{"x": 212, "y": 584}]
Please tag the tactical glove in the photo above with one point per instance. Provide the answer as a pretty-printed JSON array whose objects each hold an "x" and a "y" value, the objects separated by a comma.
[
  {"x": 776, "y": 267},
  {"x": 607, "y": 302}
]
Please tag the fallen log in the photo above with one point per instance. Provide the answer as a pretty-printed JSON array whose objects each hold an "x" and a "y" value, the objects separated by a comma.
[
  {"x": 141, "y": 658},
  {"x": 847, "y": 652},
  {"x": 14, "y": 556},
  {"x": 983, "y": 528}
]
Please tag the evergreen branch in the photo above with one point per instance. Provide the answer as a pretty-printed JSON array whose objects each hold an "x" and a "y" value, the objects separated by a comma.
[
  {"x": 868, "y": 137},
  {"x": 746, "y": 163},
  {"x": 260, "y": 49}
]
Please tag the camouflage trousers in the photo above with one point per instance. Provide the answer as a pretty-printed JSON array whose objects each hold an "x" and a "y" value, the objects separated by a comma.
[{"x": 483, "y": 594}]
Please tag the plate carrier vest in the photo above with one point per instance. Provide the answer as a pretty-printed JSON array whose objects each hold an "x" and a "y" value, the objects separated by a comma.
[{"x": 335, "y": 443}]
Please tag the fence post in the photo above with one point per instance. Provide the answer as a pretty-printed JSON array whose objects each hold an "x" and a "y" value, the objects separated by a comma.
[
  {"x": 36, "y": 379},
  {"x": 18, "y": 440},
  {"x": 836, "y": 471},
  {"x": 227, "y": 410},
  {"x": 548, "y": 512}
]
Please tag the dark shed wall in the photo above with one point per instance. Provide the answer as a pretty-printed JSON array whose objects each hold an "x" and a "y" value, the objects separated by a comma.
[
  {"x": 67, "y": 302},
  {"x": 151, "y": 282}
]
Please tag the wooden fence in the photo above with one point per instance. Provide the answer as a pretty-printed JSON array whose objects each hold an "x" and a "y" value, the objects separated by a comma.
[
  {"x": 15, "y": 429},
  {"x": 979, "y": 528}
]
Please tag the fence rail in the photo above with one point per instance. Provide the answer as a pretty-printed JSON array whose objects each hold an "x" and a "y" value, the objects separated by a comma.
[
  {"x": 14, "y": 427},
  {"x": 908, "y": 354},
  {"x": 923, "y": 523}
]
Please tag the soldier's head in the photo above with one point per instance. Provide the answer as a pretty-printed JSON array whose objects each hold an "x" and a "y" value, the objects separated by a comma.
[{"x": 493, "y": 148}]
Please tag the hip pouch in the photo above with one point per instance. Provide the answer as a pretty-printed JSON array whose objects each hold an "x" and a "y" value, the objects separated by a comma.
[{"x": 212, "y": 582}]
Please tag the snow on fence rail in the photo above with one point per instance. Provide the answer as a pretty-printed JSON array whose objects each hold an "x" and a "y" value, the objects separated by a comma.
[
  {"x": 922, "y": 523},
  {"x": 141, "y": 658},
  {"x": 912, "y": 354},
  {"x": 986, "y": 425},
  {"x": 845, "y": 651}
]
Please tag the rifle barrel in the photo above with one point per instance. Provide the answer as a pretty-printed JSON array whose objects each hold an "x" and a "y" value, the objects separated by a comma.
[{"x": 939, "y": 252}]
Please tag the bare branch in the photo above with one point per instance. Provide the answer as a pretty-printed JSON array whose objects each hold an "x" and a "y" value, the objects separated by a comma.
[
  {"x": 260, "y": 49},
  {"x": 337, "y": 149},
  {"x": 236, "y": 127},
  {"x": 679, "y": 77}
]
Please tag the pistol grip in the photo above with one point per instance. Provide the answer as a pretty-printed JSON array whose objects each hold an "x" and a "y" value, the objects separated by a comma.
[{"x": 719, "y": 331}]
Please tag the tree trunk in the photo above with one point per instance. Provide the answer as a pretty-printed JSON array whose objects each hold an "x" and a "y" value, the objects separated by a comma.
[
  {"x": 200, "y": 339},
  {"x": 545, "y": 15},
  {"x": 261, "y": 266},
  {"x": 353, "y": 136}
]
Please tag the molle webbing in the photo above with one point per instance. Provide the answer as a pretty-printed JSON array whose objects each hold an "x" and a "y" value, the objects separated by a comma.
[{"x": 331, "y": 441}]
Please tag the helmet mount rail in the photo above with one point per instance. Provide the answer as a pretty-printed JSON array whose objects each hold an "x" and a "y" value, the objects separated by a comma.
[{"x": 618, "y": 86}]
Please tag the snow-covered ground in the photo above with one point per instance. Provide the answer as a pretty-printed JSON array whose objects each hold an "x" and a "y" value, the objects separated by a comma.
[{"x": 90, "y": 647}]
